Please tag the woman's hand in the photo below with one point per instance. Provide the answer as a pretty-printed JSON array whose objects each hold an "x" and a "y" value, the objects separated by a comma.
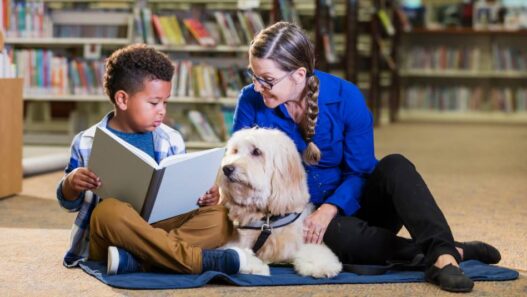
[
  {"x": 315, "y": 224},
  {"x": 211, "y": 197}
]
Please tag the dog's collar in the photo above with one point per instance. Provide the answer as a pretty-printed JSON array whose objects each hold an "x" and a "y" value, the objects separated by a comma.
[
  {"x": 271, "y": 222},
  {"x": 267, "y": 224}
]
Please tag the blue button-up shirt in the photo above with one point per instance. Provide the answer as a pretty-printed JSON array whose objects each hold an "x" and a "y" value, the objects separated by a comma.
[{"x": 343, "y": 133}]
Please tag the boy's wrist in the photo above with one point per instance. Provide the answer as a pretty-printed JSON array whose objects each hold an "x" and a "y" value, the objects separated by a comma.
[{"x": 67, "y": 192}]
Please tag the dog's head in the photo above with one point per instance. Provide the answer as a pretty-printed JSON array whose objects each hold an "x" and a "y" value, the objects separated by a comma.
[{"x": 263, "y": 172}]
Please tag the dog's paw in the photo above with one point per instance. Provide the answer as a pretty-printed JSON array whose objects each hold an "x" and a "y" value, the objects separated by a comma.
[
  {"x": 253, "y": 265},
  {"x": 316, "y": 260}
]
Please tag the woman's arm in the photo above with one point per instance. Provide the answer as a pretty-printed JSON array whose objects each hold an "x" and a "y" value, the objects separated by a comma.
[
  {"x": 244, "y": 115},
  {"x": 358, "y": 150}
]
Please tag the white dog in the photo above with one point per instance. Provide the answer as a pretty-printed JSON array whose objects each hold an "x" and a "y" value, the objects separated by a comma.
[{"x": 265, "y": 189}]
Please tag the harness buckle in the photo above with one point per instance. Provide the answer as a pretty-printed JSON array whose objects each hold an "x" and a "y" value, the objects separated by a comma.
[{"x": 266, "y": 227}]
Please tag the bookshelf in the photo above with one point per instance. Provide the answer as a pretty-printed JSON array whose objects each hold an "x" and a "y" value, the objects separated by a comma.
[
  {"x": 366, "y": 53},
  {"x": 463, "y": 74},
  {"x": 54, "y": 115}
]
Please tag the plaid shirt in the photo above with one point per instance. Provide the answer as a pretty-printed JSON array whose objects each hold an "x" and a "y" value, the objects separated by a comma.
[{"x": 167, "y": 142}]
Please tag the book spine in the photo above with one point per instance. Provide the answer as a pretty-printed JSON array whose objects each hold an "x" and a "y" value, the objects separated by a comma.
[{"x": 151, "y": 194}]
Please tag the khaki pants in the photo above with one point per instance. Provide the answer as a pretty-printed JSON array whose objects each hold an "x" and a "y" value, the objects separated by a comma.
[{"x": 174, "y": 244}]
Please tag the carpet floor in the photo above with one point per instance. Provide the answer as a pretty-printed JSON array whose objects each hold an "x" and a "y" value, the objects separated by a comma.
[{"x": 477, "y": 172}]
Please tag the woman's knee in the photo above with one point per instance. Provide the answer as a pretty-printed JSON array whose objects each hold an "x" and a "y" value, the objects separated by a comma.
[{"x": 395, "y": 164}]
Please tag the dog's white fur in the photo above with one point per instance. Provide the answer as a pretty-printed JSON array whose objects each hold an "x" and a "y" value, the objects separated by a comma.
[{"x": 268, "y": 177}]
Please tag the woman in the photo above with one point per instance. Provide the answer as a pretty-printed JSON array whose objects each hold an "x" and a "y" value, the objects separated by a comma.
[{"x": 361, "y": 203}]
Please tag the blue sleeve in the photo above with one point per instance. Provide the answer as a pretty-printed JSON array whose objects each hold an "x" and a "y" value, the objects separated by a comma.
[
  {"x": 245, "y": 112},
  {"x": 74, "y": 162},
  {"x": 359, "y": 154}
]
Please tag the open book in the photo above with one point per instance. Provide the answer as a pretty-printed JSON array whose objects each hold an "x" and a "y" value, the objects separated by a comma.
[{"x": 156, "y": 191}]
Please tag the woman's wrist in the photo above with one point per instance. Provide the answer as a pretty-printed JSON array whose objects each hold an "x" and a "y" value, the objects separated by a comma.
[{"x": 329, "y": 209}]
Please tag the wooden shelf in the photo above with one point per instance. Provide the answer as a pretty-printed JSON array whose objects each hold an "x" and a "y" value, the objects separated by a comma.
[
  {"x": 200, "y": 145},
  {"x": 58, "y": 42},
  {"x": 88, "y": 1},
  {"x": 199, "y": 48},
  {"x": 463, "y": 116},
  {"x": 464, "y": 31},
  {"x": 464, "y": 74},
  {"x": 102, "y": 98}
]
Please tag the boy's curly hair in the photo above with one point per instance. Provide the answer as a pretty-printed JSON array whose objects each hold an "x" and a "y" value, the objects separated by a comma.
[{"x": 128, "y": 67}]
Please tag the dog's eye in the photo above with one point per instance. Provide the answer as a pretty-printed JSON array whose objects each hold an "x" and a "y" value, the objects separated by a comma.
[
  {"x": 256, "y": 152},
  {"x": 235, "y": 151}
]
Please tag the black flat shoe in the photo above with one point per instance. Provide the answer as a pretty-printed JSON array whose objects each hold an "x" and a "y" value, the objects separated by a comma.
[
  {"x": 449, "y": 278},
  {"x": 477, "y": 250}
]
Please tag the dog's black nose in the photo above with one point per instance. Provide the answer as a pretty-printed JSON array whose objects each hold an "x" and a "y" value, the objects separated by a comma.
[{"x": 228, "y": 170}]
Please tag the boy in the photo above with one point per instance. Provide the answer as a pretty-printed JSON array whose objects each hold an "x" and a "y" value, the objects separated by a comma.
[{"x": 138, "y": 82}]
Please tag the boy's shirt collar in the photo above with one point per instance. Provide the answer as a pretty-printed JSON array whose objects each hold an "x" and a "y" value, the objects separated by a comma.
[{"x": 158, "y": 133}]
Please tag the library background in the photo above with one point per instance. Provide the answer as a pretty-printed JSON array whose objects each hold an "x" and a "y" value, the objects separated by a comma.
[{"x": 413, "y": 59}]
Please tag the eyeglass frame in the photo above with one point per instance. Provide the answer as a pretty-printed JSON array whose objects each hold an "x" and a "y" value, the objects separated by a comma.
[{"x": 268, "y": 85}]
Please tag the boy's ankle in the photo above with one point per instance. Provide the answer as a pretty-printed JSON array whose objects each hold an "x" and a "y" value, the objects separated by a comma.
[
  {"x": 121, "y": 261},
  {"x": 228, "y": 261}
]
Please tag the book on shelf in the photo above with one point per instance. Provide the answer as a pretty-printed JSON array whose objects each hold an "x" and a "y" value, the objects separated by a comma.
[
  {"x": 155, "y": 191},
  {"x": 203, "y": 126},
  {"x": 199, "y": 32},
  {"x": 138, "y": 36},
  {"x": 228, "y": 120},
  {"x": 159, "y": 31},
  {"x": 148, "y": 29},
  {"x": 288, "y": 11},
  {"x": 386, "y": 22},
  {"x": 7, "y": 68}
]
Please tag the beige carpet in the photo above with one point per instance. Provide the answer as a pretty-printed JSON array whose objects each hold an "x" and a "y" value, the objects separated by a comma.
[{"x": 478, "y": 174}]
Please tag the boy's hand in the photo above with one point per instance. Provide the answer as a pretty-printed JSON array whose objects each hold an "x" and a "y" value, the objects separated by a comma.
[
  {"x": 79, "y": 180},
  {"x": 212, "y": 197}
]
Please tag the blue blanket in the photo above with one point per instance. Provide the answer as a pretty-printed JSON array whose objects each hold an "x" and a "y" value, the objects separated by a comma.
[{"x": 280, "y": 276}]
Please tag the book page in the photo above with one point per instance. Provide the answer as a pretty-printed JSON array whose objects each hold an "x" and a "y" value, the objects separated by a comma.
[
  {"x": 124, "y": 173},
  {"x": 177, "y": 158},
  {"x": 184, "y": 181}
]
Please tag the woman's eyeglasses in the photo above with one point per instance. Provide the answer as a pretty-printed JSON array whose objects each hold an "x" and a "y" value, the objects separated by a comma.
[{"x": 266, "y": 84}]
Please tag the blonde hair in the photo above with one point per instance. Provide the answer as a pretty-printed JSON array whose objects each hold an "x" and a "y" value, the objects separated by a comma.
[{"x": 289, "y": 47}]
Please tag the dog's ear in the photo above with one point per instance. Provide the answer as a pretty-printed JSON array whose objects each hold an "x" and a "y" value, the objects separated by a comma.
[{"x": 288, "y": 181}]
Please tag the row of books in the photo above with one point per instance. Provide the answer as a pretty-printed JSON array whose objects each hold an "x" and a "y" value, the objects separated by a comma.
[
  {"x": 34, "y": 19},
  {"x": 443, "y": 57},
  {"x": 214, "y": 28},
  {"x": 25, "y": 19},
  {"x": 508, "y": 58},
  {"x": 199, "y": 125},
  {"x": 463, "y": 98},
  {"x": 46, "y": 73},
  {"x": 477, "y": 14},
  {"x": 49, "y": 73},
  {"x": 203, "y": 80}
]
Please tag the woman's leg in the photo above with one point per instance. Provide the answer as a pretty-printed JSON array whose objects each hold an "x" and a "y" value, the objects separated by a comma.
[
  {"x": 395, "y": 195},
  {"x": 354, "y": 241}
]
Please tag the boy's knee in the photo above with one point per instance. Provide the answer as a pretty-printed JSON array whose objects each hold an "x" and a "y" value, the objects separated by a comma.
[
  {"x": 109, "y": 212},
  {"x": 223, "y": 227}
]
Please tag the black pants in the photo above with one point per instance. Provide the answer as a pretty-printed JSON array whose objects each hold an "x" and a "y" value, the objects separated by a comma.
[{"x": 394, "y": 195}]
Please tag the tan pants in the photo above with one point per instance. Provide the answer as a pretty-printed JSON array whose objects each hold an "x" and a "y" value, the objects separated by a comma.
[{"x": 174, "y": 244}]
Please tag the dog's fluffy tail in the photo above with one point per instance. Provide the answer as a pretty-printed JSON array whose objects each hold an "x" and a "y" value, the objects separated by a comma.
[{"x": 316, "y": 260}]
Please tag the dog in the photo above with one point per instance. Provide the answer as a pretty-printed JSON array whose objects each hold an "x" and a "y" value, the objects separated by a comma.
[{"x": 264, "y": 187}]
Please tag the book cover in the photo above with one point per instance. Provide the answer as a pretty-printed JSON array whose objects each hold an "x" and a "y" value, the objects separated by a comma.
[
  {"x": 199, "y": 32},
  {"x": 156, "y": 191},
  {"x": 203, "y": 127}
]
